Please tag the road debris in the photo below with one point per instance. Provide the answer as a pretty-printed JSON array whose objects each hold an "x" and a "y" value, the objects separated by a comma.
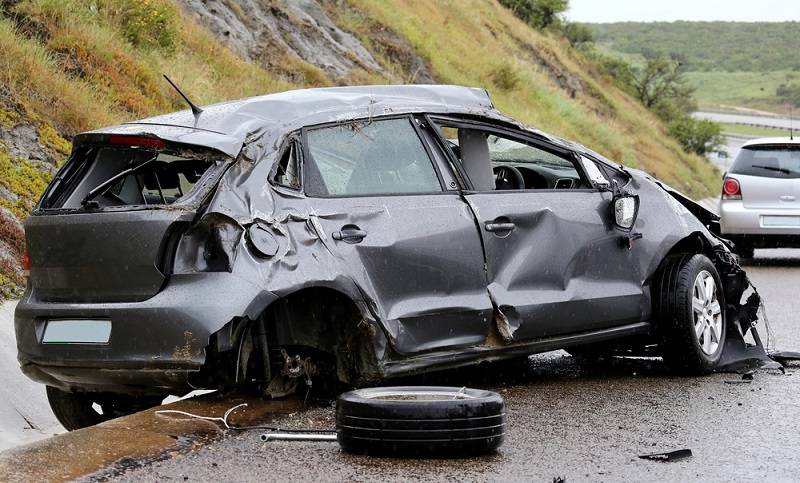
[{"x": 669, "y": 456}]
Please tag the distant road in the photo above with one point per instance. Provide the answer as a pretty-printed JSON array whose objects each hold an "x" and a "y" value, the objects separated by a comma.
[{"x": 778, "y": 122}]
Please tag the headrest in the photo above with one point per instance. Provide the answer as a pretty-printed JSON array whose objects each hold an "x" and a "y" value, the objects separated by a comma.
[{"x": 160, "y": 174}]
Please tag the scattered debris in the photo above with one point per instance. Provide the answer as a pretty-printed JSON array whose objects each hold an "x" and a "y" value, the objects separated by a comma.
[
  {"x": 669, "y": 456},
  {"x": 297, "y": 437}
]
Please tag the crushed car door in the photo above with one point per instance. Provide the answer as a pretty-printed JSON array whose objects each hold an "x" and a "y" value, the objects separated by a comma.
[
  {"x": 408, "y": 243},
  {"x": 554, "y": 258}
]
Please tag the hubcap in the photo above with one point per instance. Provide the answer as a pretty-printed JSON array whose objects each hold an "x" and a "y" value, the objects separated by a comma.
[{"x": 707, "y": 313}]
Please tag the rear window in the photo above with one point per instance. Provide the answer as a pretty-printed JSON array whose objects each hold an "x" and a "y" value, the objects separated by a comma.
[
  {"x": 97, "y": 175},
  {"x": 768, "y": 161}
]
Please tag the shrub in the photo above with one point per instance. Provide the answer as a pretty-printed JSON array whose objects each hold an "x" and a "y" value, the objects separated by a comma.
[
  {"x": 505, "y": 78},
  {"x": 698, "y": 136}
]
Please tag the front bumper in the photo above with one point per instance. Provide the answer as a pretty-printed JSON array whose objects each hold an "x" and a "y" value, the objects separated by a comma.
[
  {"x": 154, "y": 345},
  {"x": 736, "y": 219}
]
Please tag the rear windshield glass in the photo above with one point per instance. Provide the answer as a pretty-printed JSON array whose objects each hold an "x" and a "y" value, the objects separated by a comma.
[
  {"x": 154, "y": 178},
  {"x": 768, "y": 161}
]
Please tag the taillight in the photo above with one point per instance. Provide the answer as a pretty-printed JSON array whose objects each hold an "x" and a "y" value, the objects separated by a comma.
[
  {"x": 731, "y": 190},
  {"x": 135, "y": 141},
  {"x": 26, "y": 264}
]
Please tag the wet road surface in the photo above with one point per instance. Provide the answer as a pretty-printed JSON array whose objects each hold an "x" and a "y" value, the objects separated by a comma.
[{"x": 570, "y": 421}]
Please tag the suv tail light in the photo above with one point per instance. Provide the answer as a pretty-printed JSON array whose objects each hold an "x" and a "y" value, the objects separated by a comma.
[{"x": 731, "y": 190}]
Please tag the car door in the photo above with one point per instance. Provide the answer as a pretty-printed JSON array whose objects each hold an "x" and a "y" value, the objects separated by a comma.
[
  {"x": 409, "y": 243},
  {"x": 554, "y": 259}
]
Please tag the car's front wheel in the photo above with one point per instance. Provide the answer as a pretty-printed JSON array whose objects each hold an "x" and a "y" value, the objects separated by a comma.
[
  {"x": 76, "y": 410},
  {"x": 690, "y": 311}
]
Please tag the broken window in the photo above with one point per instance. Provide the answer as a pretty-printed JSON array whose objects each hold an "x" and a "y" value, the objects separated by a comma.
[
  {"x": 120, "y": 176},
  {"x": 374, "y": 157},
  {"x": 287, "y": 172}
]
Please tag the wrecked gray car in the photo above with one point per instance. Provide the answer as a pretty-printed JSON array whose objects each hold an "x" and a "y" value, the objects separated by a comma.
[{"x": 357, "y": 233}]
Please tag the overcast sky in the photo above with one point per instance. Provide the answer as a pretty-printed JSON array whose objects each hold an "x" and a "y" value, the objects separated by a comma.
[{"x": 660, "y": 10}]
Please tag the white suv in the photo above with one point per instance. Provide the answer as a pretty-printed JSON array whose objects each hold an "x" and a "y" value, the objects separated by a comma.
[{"x": 760, "y": 203}]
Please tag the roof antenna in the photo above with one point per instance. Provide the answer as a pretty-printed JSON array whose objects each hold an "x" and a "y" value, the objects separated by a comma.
[
  {"x": 195, "y": 110},
  {"x": 791, "y": 121}
]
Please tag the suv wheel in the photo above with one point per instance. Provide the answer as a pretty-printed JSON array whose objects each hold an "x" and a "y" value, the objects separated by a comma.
[
  {"x": 76, "y": 410},
  {"x": 691, "y": 316}
]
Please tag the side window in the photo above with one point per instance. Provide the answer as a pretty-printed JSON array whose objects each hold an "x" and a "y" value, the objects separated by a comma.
[
  {"x": 495, "y": 162},
  {"x": 369, "y": 157},
  {"x": 288, "y": 173}
]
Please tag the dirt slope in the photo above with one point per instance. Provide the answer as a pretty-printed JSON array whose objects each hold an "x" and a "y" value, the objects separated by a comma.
[{"x": 72, "y": 65}]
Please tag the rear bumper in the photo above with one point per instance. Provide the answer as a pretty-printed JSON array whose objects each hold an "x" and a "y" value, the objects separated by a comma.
[
  {"x": 154, "y": 344},
  {"x": 735, "y": 219}
]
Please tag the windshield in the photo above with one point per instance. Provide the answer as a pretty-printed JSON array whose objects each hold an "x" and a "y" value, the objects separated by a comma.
[{"x": 769, "y": 161}]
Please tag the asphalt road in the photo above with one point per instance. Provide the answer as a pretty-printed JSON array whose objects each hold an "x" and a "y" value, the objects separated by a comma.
[{"x": 570, "y": 421}]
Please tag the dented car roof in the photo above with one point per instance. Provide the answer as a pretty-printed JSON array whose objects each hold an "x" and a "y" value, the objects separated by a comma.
[{"x": 228, "y": 126}]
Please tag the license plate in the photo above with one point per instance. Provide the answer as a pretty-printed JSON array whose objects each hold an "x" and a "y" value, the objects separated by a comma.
[
  {"x": 77, "y": 331},
  {"x": 782, "y": 221}
]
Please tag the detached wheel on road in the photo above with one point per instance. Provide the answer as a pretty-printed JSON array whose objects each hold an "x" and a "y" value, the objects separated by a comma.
[
  {"x": 420, "y": 421},
  {"x": 690, "y": 309},
  {"x": 76, "y": 410}
]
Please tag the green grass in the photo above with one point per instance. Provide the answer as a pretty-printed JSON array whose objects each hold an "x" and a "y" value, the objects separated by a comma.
[
  {"x": 753, "y": 130},
  {"x": 754, "y": 90}
]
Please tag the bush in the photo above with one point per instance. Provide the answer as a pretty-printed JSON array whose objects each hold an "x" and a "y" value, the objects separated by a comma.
[
  {"x": 539, "y": 14},
  {"x": 699, "y": 136},
  {"x": 505, "y": 78},
  {"x": 147, "y": 23}
]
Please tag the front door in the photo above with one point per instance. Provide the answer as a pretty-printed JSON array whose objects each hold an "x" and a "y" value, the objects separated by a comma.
[
  {"x": 554, "y": 259},
  {"x": 410, "y": 244}
]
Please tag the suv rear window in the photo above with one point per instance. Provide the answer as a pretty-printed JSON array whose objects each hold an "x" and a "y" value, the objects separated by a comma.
[
  {"x": 768, "y": 161},
  {"x": 157, "y": 178}
]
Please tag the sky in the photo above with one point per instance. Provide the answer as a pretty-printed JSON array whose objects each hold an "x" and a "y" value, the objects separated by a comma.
[{"x": 668, "y": 10}]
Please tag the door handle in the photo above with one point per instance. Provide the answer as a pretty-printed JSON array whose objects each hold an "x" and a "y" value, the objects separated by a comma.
[
  {"x": 499, "y": 227},
  {"x": 349, "y": 234}
]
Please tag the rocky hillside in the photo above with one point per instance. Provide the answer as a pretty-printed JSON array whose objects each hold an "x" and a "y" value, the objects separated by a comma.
[{"x": 72, "y": 65}]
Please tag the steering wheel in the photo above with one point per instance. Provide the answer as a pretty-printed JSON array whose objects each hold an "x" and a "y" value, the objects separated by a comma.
[{"x": 508, "y": 178}]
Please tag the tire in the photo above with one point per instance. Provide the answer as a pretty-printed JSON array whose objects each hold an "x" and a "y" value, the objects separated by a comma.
[
  {"x": 691, "y": 323},
  {"x": 75, "y": 410},
  {"x": 420, "y": 421}
]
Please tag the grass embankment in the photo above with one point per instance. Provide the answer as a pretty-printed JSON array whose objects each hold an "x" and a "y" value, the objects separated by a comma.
[
  {"x": 753, "y": 90},
  {"x": 755, "y": 131}
]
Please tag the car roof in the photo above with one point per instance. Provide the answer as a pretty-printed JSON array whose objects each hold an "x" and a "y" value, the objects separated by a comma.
[
  {"x": 766, "y": 141},
  {"x": 227, "y": 126}
]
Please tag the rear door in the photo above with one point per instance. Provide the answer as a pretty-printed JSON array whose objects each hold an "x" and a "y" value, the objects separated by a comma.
[
  {"x": 555, "y": 262},
  {"x": 110, "y": 246},
  {"x": 386, "y": 209}
]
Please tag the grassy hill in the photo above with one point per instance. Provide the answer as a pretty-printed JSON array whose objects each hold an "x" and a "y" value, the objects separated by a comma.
[
  {"x": 70, "y": 65},
  {"x": 729, "y": 63}
]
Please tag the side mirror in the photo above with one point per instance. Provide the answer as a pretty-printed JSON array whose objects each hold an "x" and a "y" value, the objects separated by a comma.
[{"x": 626, "y": 209}]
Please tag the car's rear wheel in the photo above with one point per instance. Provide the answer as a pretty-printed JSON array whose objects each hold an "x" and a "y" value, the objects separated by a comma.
[
  {"x": 76, "y": 410},
  {"x": 690, "y": 311}
]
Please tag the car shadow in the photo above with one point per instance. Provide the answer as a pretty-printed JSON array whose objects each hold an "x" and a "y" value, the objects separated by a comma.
[{"x": 548, "y": 367}]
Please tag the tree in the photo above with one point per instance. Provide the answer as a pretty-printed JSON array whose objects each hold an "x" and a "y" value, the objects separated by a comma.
[
  {"x": 539, "y": 14},
  {"x": 699, "y": 136},
  {"x": 577, "y": 34},
  {"x": 661, "y": 87}
]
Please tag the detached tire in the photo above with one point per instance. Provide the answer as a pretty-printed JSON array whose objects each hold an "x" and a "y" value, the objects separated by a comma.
[
  {"x": 690, "y": 309},
  {"x": 75, "y": 410},
  {"x": 420, "y": 421}
]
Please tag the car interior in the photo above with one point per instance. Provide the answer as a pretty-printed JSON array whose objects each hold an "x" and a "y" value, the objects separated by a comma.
[{"x": 495, "y": 162}]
